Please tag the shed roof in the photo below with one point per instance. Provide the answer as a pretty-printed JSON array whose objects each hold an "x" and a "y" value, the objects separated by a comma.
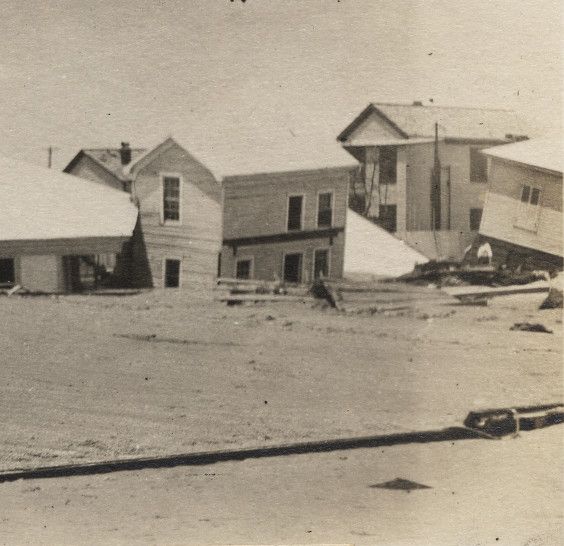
[
  {"x": 544, "y": 153},
  {"x": 39, "y": 203},
  {"x": 110, "y": 159},
  {"x": 415, "y": 121}
]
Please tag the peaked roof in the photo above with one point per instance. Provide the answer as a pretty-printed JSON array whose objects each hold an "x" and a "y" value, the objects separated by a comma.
[
  {"x": 107, "y": 158},
  {"x": 418, "y": 121},
  {"x": 544, "y": 153},
  {"x": 39, "y": 203}
]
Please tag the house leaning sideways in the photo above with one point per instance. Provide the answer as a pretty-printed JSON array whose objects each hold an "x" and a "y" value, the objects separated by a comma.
[
  {"x": 178, "y": 235},
  {"x": 522, "y": 218},
  {"x": 400, "y": 146}
]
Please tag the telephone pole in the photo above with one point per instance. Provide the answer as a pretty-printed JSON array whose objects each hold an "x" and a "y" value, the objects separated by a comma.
[{"x": 50, "y": 151}]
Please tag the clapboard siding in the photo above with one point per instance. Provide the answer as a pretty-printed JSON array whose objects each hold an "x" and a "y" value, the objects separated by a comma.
[
  {"x": 196, "y": 241},
  {"x": 257, "y": 205},
  {"x": 503, "y": 202}
]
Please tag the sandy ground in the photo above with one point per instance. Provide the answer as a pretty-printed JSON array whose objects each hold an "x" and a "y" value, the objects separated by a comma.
[
  {"x": 481, "y": 492},
  {"x": 95, "y": 378}
]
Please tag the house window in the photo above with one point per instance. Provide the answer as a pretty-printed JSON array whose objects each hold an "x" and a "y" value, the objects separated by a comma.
[
  {"x": 388, "y": 217},
  {"x": 529, "y": 208},
  {"x": 295, "y": 210},
  {"x": 293, "y": 268},
  {"x": 388, "y": 165},
  {"x": 325, "y": 209},
  {"x": 7, "y": 272},
  {"x": 244, "y": 269},
  {"x": 475, "y": 219},
  {"x": 478, "y": 166},
  {"x": 171, "y": 199},
  {"x": 172, "y": 273},
  {"x": 321, "y": 263}
]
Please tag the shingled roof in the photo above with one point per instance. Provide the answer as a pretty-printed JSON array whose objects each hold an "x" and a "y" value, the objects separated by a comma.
[
  {"x": 418, "y": 121},
  {"x": 109, "y": 159}
]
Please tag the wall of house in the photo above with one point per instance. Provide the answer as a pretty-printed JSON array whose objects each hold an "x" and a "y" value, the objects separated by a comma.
[
  {"x": 88, "y": 169},
  {"x": 268, "y": 259},
  {"x": 196, "y": 240},
  {"x": 465, "y": 194},
  {"x": 258, "y": 205},
  {"x": 40, "y": 273},
  {"x": 503, "y": 202}
]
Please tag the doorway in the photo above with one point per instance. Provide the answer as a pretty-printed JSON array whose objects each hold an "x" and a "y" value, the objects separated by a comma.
[
  {"x": 293, "y": 268},
  {"x": 172, "y": 273}
]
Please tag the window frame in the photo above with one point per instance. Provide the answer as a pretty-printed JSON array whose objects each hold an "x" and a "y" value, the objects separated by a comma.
[
  {"x": 524, "y": 219},
  {"x": 251, "y": 268},
  {"x": 315, "y": 250},
  {"x": 317, "y": 209},
  {"x": 302, "y": 215},
  {"x": 172, "y": 258},
  {"x": 163, "y": 175}
]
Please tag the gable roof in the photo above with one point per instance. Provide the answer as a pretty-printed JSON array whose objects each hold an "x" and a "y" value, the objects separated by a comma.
[
  {"x": 414, "y": 121},
  {"x": 543, "y": 153},
  {"x": 107, "y": 158},
  {"x": 39, "y": 203},
  {"x": 278, "y": 152}
]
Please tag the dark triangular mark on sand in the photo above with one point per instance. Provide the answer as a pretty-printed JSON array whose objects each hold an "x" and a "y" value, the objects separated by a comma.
[{"x": 400, "y": 483}]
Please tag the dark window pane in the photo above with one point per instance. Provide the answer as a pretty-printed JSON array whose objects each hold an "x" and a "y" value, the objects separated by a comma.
[
  {"x": 243, "y": 269},
  {"x": 7, "y": 271},
  {"x": 321, "y": 264},
  {"x": 295, "y": 212},
  {"x": 388, "y": 165},
  {"x": 525, "y": 194},
  {"x": 172, "y": 273},
  {"x": 475, "y": 219},
  {"x": 325, "y": 212},
  {"x": 535, "y": 194},
  {"x": 478, "y": 166},
  {"x": 171, "y": 198}
]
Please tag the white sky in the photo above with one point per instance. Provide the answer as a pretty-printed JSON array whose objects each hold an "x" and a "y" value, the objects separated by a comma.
[{"x": 80, "y": 73}]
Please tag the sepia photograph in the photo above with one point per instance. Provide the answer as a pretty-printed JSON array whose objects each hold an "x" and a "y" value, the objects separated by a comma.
[{"x": 281, "y": 273}]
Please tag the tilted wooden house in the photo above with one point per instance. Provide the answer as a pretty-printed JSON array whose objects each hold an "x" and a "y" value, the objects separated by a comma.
[
  {"x": 178, "y": 237},
  {"x": 522, "y": 218},
  {"x": 53, "y": 226}
]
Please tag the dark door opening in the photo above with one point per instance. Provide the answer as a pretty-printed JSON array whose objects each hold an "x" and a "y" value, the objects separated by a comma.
[
  {"x": 293, "y": 268},
  {"x": 172, "y": 273},
  {"x": 388, "y": 217},
  {"x": 7, "y": 272},
  {"x": 321, "y": 264}
]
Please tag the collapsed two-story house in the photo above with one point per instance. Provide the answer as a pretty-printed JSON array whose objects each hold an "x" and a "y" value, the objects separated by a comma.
[
  {"x": 400, "y": 146},
  {"x": 522, "y": 218}
]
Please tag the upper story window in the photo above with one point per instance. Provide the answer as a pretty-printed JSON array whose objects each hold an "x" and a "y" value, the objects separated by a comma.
[
  {"x": 529, "y": 208},
  {"x": 478, "y": 166},
  {"x": 295, "y": 212},
  {"x": 171, "y": 199},
  {"x": 325, "y": 209},
  {"x": 388, "y": 165}
]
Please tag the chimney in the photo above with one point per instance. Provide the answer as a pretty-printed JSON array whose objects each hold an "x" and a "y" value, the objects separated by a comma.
[
  {"x": 417, "y": 103},
  {"x": 125, "y": 153}
]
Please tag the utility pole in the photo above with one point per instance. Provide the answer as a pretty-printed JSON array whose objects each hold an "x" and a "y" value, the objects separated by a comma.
[{"x": 50, "y": 151}]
